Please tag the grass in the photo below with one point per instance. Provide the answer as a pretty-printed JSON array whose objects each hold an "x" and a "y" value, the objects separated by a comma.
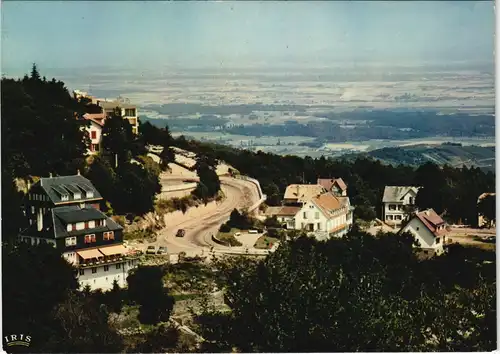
[
  {"x": 228, "y": 237},
  {"x": 181, "y": 297},
  {"x": 265, "y": 242},
  {"x": 138, "y": 235}
]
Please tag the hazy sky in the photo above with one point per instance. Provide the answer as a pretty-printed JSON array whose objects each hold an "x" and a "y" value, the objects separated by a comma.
[{"x": 148, "y": 34}]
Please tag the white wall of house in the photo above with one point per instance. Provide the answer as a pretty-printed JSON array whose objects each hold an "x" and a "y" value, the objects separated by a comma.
[
  {"x": 103, "y": 279},
  {"x": 96, "y": 142},
  {"x": 290, "y": 223},
  {"x": 394, "y": 212},
  {"x": 310, "y": 218},
  {"x": 422, "y": 234}
]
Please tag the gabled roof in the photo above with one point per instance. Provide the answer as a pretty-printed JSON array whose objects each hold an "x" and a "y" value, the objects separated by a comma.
[
  {"x": 282, "y": 211},
  {"x": 59, "y": 229},
  {"x": 56, "y": 187},
  {"x": 328, "y": 204},
  {"x": 431, "y": 220},
  {"x": 72, "y": 214},
  {"x": 397, "y": 193},
  {"x": 97, "y": 118},
  {"x": 328, "y": 183},
  {"x": 303, "y": 192}
]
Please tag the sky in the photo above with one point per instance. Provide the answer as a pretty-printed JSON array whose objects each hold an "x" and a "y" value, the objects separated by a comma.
[{"x": 80, "y": 34}]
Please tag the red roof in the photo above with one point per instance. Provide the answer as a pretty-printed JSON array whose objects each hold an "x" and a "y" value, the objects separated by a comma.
[
  {"x": 432, "y": 221},
  {"x": 327, "y": 183},
  {"x": 98, "y": 118}
]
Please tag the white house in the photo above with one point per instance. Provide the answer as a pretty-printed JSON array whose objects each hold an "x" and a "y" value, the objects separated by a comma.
[
  {"x": 325, "y": 216},
  {"x": 429, "y": 229},
  {"x": 65, "y": 212},
  {"x": 128, "y": 112},
  {"x": 394, "y": 201},
  {"x": 95, "y": 131}
]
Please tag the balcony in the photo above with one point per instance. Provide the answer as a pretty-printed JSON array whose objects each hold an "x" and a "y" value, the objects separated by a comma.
[{"x": 107, "y": 260}]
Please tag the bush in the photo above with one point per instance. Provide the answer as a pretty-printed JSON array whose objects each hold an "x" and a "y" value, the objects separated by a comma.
[{"x": 225, "y": 228}]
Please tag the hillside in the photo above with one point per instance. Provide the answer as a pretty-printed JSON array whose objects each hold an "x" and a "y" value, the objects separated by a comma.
[{"x": 452, "y": 154}]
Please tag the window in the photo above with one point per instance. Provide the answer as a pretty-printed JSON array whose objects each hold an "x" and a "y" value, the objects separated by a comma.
[
  {"x": 129, "y": 112},
  {"x": 400, "y": 207},
  {"x": 70, "y": 241},
  {"x": 398, "y": 217},
  {"x": 93, "y": 134},
  {"x": 91, "y": 224},
  {"x": 109, "y": 236},
  {"x": 80, "y": 225},
  {"x": 90, "y": 238},
  {"x": 319, "y": 226},
  {"x": 305, "y": 215},
  {"x": 118, "y": 266},
  {"x": 82, "y": 272},
  {"x": 106, "y": 268},
  {"x": 389, "y": 217},
  {"x": 95, "y": 147},
  {"x": 438, "y": 240},
  {"x": 32, "y": 209},
  {"x": 410, "y": 200},
  {"x": 316, "y": 215},
  {"x": 82, "y": 205},
  {"x": 392, "y": 207},
  {"x": 94, "y": 270}
]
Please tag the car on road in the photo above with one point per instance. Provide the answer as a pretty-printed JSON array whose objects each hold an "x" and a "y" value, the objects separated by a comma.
[
  {"x": 180, "y": 233},
  {"x": 151, "y": 250},
  {"x": 162, "y": 250}
]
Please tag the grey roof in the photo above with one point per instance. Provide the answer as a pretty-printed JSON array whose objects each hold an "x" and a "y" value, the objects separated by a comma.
[
  {"x": 56, "y": 187},
  {"x": 396, "y": 193},
  {"x": 59, "y": 226},
  {"x": 73, "y": 214}
]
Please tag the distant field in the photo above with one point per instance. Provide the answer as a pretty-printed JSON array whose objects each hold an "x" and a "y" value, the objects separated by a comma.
[{"x": 455, "y": 155}]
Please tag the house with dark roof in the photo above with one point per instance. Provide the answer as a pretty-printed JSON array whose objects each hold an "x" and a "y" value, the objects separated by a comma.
[
  {"x": 336, "y": 186},
  {"x": 65, "y": 212},
  {"x": 429, "y": 229},
  {"x": 395, "y": 203}
]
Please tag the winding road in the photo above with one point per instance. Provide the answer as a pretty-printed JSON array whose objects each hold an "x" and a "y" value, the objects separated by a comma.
[{"x": 201, "y": 222}]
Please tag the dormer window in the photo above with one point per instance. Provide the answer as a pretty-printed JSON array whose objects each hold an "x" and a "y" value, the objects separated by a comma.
[
  {"x": 65, "y": 198},
  {"x": 69, "y": 227},
  {"x": 90, "y": 194}
]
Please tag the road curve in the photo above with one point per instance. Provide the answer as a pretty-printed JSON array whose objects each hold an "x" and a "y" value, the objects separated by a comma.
[{"x": 199, "y": 228}]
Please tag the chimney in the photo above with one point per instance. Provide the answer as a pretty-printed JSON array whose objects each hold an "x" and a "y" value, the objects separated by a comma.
[
  {"x": 50, "y": 175},
  {"x": 78, "y": 172}
]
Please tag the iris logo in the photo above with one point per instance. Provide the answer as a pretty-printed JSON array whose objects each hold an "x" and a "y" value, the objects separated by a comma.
[{"x": 17, "y": 340}]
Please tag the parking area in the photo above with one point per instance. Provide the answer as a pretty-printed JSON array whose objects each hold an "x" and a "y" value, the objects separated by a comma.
[{"x": 248, "y": 239}]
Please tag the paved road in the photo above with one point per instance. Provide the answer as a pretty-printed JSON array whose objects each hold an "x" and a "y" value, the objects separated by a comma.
[{"x": 205, "y": 221}]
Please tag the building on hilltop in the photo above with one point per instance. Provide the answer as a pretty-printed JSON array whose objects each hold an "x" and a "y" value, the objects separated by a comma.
[
  {"x": 128, "y": 112},
  {"x": 94, "y": 131},
  {"x": 429, "y": 229},
  {"x": 395, "y": 201},
  {"x": 325, "y": 216},
  {"x": 65, "y": 212},
  {"x": 336, "y": 186}
]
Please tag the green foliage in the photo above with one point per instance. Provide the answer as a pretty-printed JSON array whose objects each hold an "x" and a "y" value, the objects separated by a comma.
[
  {"x": 454, "y": 190},
  {"x": 41, "y": 299},
  {"x": 162, "y": 339},
  {"x": 117, "y": 138},
  {"x": 40, "y": 133},
  {"x": 209, "y": 184},
  {"x": 241, "y": 221},
  {"x": 145, "y": 287},
  {"x": 358, "y": 293},
  {"x": 365, "y": 212},
  {"x": 225, "y": 228},
  {"x": 272, "y": 222},
  {"x": 487, "y": 208}
]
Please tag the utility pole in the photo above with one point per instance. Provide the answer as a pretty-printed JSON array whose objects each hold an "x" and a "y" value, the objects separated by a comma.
[{"x": 116, "y": 160}]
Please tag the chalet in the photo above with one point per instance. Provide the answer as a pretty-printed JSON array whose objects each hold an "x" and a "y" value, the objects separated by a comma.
[
  {"x": 395, "y": 201},
  {"x": 298, "y": 194},
  {"x": 336, "y": 186},
  {"x": 325, "y": 216},
  {"x": 429, "y": 229},
  {"x": 65, "y": 212},
  {"x": 284, "y": 214}
]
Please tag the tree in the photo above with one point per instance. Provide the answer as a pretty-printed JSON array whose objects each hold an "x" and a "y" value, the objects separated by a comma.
[
  {"x": 312, "y": 296},
  {"x": 487, "y": 208},
  {"x": 365, "y": 212},
  {"x": 145, "y": 287},
  {"x": 206, "y": 169},
  {"x": 117, "y": 137}
]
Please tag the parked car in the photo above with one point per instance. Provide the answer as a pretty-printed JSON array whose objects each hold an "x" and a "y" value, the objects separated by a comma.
[
  {"x": 151, "y": 250},
  {"x": 162, "y": 250},
  {"x": 180, "y": 233},
  {"x": 237, "y": 233},
  {"x": 253, "y": 231}
]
